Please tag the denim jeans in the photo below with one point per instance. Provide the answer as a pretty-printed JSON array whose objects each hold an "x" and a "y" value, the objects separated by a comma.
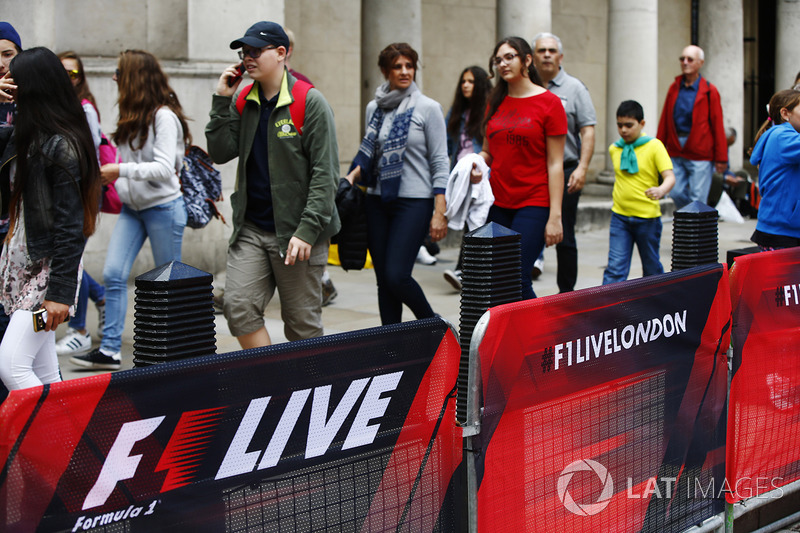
[
  {"x": 623, "y": 233},
  {"x": 89, "y": 289},
  {"x": 529, "y": 222},
  {"x": 163, "y": 224},
  {"x": 395, "y": 232},
  {"x": 692, "y": 181}
]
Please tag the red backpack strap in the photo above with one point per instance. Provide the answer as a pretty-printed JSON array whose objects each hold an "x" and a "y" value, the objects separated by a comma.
[
  {"x": 297, "y": 109},
  {"x": 242, "y": 98}
]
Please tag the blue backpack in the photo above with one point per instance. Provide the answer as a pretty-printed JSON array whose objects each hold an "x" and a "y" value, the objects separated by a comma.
[{"x": 202, "y": 187}]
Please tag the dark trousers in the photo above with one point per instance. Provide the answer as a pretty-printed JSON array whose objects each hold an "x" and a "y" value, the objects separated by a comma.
[
  {"x": 567, "y": 249},
  {"x": 396, "y": 230},
  {"x": 529, "y": 222}
]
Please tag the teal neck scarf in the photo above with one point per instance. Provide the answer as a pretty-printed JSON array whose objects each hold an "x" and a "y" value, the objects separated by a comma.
[{"x": 628, "y": 161}]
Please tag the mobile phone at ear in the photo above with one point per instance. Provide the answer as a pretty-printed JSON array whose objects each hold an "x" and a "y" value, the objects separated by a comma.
[
  {"x": 39, "y": 319},
  {"x": 239, "y": 71}
]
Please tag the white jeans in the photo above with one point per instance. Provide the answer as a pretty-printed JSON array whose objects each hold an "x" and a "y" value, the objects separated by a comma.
[{"x": 27, "y": 358}]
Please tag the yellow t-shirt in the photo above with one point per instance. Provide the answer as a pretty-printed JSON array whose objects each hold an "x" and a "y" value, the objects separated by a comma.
[{"x": 629, "y": 197}]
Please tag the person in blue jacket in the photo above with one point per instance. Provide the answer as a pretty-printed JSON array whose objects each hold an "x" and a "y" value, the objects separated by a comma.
[{"x": 777, "y": 155}]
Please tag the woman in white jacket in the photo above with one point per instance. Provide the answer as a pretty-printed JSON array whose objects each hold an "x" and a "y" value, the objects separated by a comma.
[{"x": 151, "y": 136}]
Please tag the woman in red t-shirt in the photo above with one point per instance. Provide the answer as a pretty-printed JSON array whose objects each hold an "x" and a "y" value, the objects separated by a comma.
[{"x": 524, "y": 146}]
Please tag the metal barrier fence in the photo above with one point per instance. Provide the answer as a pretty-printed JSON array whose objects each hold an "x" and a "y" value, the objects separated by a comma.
[
  {"x": 585, "y": 411},
  {"x": 600, "y": 406},
  {"x": 350, "y": 432}
]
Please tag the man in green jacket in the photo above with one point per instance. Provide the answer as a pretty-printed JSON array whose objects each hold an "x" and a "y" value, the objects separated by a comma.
[{"x": 283, "y": 205}]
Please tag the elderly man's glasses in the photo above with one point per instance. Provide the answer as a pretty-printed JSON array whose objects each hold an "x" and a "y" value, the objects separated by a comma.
[
  {"x": 686, "y": 58},
  {"x": 254, "y": 53}
]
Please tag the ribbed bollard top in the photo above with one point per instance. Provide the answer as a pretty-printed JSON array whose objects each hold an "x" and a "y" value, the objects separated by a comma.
[
  {"x": 490, "y": 276},
  {"x": 173, "y": 314},
  {"x": 695, "y": 238}
]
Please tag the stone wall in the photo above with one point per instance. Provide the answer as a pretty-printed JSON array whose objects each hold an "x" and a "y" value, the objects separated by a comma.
[{"x": 337, "y": 44}]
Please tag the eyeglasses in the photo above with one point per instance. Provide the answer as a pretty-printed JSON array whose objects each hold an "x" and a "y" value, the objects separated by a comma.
[
  {"x": 507, "y": 59},
  {"x": 686, "y": 58},
  {"x": 73, "y": 74},
  {"x": 116, "y": 73},
  {"x": 254, "y": 53}
]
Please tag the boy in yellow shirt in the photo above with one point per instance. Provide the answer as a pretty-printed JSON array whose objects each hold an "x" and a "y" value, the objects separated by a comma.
[{"x": 638, "y": 161}]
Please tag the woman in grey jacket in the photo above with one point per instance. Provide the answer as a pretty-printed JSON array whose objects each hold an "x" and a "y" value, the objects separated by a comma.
[
  {"x": 151, "y": 137},
  {"x": 403, "y": 161},
  {"x": 53, "y": 205}
]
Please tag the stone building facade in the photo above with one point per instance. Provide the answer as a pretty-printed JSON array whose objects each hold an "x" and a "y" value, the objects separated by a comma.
[{"x": 621, "y": 49}]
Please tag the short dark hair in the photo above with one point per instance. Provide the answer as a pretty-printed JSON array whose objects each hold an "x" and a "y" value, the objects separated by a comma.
[
  {"x": 631, "y": 108},
  {"x": 389, "y": 54}
]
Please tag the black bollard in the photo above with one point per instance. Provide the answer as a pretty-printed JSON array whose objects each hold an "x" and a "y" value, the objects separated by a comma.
[
  {"x": 490, "y": 276},
  {"x": 174, "y": 315},
  {"x": 738, "y": 252},
  {"x": 694, "y": 236}
]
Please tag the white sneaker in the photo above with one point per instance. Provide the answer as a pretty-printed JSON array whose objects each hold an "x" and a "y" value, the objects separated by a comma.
[
  {"x": 424, "y": 257},
  {"x": 453, "y": 277},
  {"x": 74, "y": 343},
  {"x": 538, "y": 267}
]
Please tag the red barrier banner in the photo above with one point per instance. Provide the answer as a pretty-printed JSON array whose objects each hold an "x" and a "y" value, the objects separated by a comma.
[
  {"x": 351, "y": 432},
  {"x": 604, "y": 409},
  {"x": 764, "y": 405}
]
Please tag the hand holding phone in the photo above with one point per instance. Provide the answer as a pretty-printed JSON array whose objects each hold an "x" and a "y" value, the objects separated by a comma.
[
  {"x": 239, "y": 72},
  {"x": 39, "y": 319}
]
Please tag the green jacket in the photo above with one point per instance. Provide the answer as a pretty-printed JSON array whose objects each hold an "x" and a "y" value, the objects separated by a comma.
[{"x": 304, "y": 169}]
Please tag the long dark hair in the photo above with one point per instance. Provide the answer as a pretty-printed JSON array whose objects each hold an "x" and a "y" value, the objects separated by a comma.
[
  {"x": 46, "y": 106},
  {"x": 82, "y": 87},
  {"x": 476, "y": 104},
  {"x": 500, "y": 90},
  {"x": 143, "y": 88}
]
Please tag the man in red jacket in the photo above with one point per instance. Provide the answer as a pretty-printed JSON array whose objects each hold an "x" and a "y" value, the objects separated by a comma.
[{"x": 692, "y": 129}]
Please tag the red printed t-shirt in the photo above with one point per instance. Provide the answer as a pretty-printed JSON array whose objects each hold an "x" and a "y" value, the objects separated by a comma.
[{"x": 517, "y": 141}]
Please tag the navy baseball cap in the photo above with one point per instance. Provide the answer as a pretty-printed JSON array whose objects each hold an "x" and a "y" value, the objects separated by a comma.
[
  {"x": 8, "y": 33},
  {"x": 263, "y": 34}
]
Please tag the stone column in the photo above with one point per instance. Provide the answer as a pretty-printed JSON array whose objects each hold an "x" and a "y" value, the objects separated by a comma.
[
  {"x": 787, "y": 61},
  {"x": 384, "y": 22},
  {"x": 721, "y": 37},
  {"x": 523, "y": 18},
  {"x": 632, "y": 60},
  {"x": 213, "y": 25}
]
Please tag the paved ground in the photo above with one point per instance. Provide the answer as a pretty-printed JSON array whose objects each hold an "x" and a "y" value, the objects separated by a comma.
[{"x": 356, "y": 307}]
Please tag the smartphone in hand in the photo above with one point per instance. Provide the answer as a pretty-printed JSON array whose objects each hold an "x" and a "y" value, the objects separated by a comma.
[
  {"x": 239, "y": 72},
  {"x": 39, "y": 319}
]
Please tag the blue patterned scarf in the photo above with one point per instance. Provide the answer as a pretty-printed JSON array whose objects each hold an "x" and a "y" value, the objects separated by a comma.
[{"x": 385, "y": 162}]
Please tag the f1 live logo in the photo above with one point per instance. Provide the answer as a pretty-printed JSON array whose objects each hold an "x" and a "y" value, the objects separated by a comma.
[{"x": 322, "y": 430}]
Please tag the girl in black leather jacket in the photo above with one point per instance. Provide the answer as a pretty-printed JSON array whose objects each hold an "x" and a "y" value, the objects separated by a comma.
[{"x": 53, "y": 204}]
